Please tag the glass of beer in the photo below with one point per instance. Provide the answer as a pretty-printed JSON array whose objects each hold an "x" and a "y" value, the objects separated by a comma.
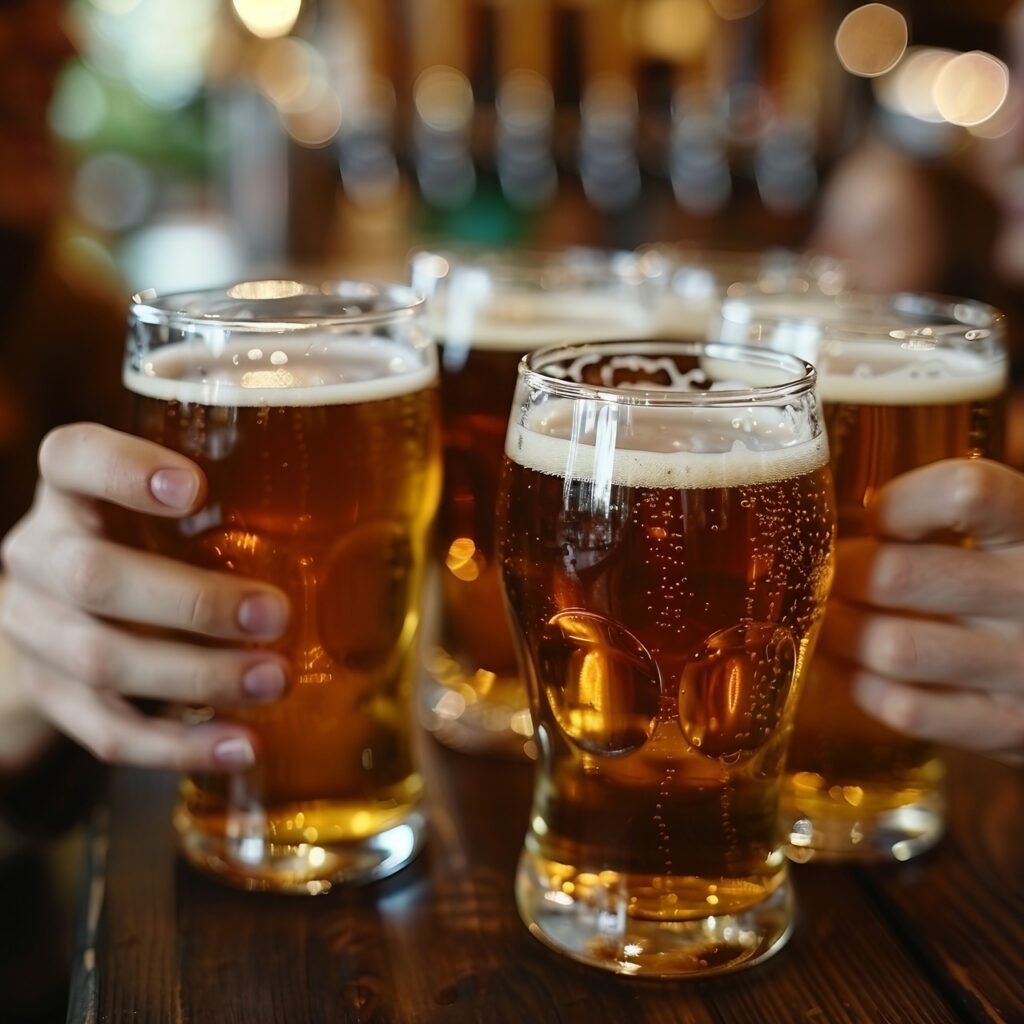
[
  {"x": 487, "y": 309},
  {"x": 904, "y": 381},
  {"x": 693, "y": 283},
  {"x": 666, "y": 527},
  {"x": 312, "y": 410}
]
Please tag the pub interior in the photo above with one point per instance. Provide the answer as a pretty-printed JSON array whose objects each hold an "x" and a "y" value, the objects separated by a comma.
[{"x": 641, "y": 184}]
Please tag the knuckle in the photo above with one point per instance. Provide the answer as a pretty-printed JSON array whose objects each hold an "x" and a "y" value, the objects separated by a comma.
[
  {"x": 973, "y": 489},
  {"x": 13, "y": 551},
  {"x": 201, "y": 610},
  {"x": 55, "y": 447},
  {"x": 94, "y": 659},
  {"x": 893, "y": 572},
  {"x": 121, "y": 479},
  {"x": 88, "y": 578},
  {"x": 894, "y": 648},
  {"x": 904, "y": 713},
  {"x": 105, "y": 745},
  {"x": 204, "y": 682}
]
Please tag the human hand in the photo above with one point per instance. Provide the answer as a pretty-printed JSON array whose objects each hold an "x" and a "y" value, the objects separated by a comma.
[
  {"x": 72, "y": 595},
  {"x": 936, "y": 631}
]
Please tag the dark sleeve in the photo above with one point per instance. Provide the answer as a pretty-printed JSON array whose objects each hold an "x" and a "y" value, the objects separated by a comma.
[
  {"x": 92, "y": 352},
  {"x": 52, "y": 794}
]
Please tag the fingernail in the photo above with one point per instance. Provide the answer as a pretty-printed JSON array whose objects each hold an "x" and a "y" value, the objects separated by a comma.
[
  {"x": 264, "y": 614},
  {"x": 175, "y": 488},
  {"x": 264, "y": 681},
  {"x": 234, "y": 753}
]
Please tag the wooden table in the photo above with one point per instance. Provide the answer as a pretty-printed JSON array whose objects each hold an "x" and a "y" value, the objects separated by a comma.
[{"x": 924, "y": 943}]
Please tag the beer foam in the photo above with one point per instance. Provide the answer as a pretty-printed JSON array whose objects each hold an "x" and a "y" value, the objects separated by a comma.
[
  {"x": 720, "y": 447},
  {"x": 889, "y": 372},
  {"x": 523, "y": 322},
  {"x": 271, "y": 370}
]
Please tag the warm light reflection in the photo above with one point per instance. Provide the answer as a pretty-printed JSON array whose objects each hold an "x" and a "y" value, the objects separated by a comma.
[
  {"x": 287, "y": 70},
  {"x": 461, "y": 559},
  {"x": 871, "y": 39},
  {"x": 317, "y": 124},
  {"x": 910, "y": 88},
  {"x": 674, "y": 30},
  {"x": 1001, "y": 123},
  {"x": 268, "y": 18},
  {"x": 443, "y": 98},
  {"x": 971, "y": 88}
]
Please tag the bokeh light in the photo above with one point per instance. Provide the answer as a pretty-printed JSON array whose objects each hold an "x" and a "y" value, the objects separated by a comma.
[
  {"x": 673, "y": 30},
  {"x": 443, "y": 98},
  {"x": 871, "y": 40},
  {"x": 79, "y": 104},
  {"x": 971, "y": 88},
  {"x": 291, "y": 73},
  {"x": 910, "y": 88},
  {"x": 268, "y": 18},
  {"x": 113, "y": 191},
  {"x": 317, "y": 124}
]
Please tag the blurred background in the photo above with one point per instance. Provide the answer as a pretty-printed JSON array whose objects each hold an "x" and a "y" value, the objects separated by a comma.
[
  {"x": 206, "y": 139},
  {"x": 184, "y": 143}
]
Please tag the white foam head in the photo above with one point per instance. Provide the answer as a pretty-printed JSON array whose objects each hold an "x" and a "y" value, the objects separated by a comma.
[
  {"x": 272, "y": 370},
  {"x": 869, "y": 356},
  {"x": 677, "y": 447},
  {"x": 521, "y": 322},
  {"x": 886, "y": 373}
]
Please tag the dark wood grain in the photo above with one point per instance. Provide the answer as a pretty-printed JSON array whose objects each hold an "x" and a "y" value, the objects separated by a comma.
[
  {"x": 441, "y": 942},
  {"x": 962, "y": 908}
]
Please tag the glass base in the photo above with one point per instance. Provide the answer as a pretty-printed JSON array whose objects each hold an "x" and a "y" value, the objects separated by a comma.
[
  {"x": 255, "y": 863},
  {"x": 602, "y": 933},
  {"x": 821, "y": 830},
  {"x": 485, "y": 715}
]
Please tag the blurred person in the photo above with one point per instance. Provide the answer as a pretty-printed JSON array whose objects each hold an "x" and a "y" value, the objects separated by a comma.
[
  {"x": 61, "y": 340},
  {"x": 937, "y": 632},
  {"x": 999, "y": 165}
]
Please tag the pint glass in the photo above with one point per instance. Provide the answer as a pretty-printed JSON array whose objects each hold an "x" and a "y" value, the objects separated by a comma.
[
  {"x": 313, "y": 413},
  {"x": 487, "y": 309},
  {"x": 904, "y": 381},
  {"x": 666, "y": 522},
  {"x": 693, "y": 283}
]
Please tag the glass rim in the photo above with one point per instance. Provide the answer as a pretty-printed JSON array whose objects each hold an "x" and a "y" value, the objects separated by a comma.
[
  {"x": 527, "y": 265},
  {"x": 804, "y": 382},
  {"x": 903, "y": 316},
  {"x": 168, "y": 309}
]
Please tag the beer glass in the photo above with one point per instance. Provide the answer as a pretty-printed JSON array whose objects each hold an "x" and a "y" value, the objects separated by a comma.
[
  {"x": 312, "y": 410},
  {"x": 692, "y": 284},
  {"x": 666, "y": 526},
  {"x": 904, "y": 381},
  {"x": 486, "y": 309}
]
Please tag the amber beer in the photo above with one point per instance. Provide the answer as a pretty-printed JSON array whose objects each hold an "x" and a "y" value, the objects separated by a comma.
[
  {"x": 321, "y": 452},
  {"x": 857, "y": 788},
  {"x": 904, "y": 382},
  {"x": 666, "y": 570},
  {"x": 486, "y": 310}
]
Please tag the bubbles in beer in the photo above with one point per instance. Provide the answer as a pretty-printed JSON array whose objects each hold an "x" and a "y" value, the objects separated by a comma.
[
  {"x": 362, "y": 626},
  {"x": 601, "y": 682},
  {"x": 733, "y": 691}
]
